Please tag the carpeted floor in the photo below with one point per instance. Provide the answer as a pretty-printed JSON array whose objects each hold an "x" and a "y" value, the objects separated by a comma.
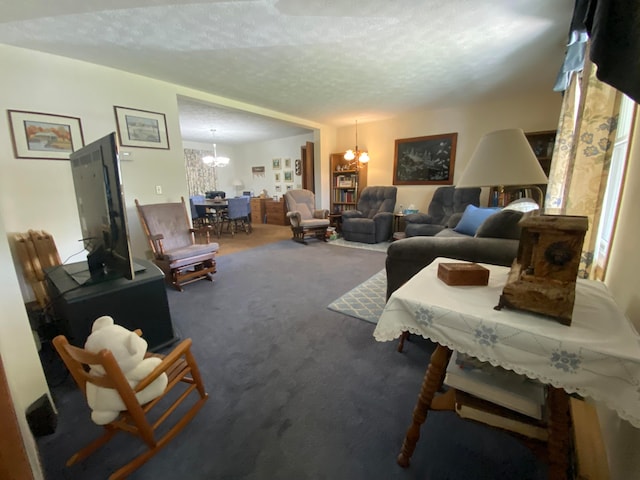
[
  {"x": 262, "y": 234},
  {"x": 297, "y": 391}
]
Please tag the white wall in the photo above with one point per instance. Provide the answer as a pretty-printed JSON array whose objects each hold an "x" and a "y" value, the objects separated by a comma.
[
  {"x": 18, "y": 350},
  {"x": 257, "y": 154},
  {"x": 622, "y": 439}
]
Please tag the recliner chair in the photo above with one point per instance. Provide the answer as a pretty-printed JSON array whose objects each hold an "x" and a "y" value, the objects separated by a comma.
[
  {"x": 372, "y": 221},
  {"x": 447, "y": 204}
]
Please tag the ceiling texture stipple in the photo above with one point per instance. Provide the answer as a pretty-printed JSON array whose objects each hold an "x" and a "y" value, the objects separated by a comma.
[{"x": 328, "y": 62}]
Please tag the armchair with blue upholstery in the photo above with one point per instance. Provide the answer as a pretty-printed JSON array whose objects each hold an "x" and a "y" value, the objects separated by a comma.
[
  {"x": 372, "y": 221},
  {"x": 447, "y": 206}
]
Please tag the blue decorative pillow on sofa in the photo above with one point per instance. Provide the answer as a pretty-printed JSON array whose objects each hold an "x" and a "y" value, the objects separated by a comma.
[{"x": 472, "y": 218}]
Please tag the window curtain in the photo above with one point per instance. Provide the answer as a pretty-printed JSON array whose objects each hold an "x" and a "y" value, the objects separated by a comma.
[
  {"x": 582, "y": 154},
  {"x": 200, "y": 177}
]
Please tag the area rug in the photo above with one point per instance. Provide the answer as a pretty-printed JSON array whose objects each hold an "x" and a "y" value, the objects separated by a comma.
[
  {"x": 364, "y": 302},
  {"x": 378, "y": 247}
]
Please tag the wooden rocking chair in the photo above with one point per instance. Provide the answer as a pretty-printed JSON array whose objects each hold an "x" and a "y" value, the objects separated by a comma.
[
  {"x": 181, "y": 369},
  {"x": 172, "y": 241}
]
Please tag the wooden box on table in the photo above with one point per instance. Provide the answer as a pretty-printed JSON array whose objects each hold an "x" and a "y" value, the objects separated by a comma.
[{"x": 458, "y": 274}]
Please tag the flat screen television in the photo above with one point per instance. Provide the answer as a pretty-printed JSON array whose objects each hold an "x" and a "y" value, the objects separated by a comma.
[{"x": 101, "y": 208}]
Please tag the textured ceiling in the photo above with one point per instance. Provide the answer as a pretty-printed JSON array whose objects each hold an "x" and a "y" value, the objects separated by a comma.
[{"x": 331, "y": 61}]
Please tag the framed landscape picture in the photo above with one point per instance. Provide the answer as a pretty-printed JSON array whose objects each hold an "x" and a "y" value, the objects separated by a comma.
[
  {"x": 425, "y": 160},
  {"x": 44, "y": 135},
  {"x": 288, "y": 176},
  {"x": 276, "y": 164},
  {"x": 140, "y": 128}
]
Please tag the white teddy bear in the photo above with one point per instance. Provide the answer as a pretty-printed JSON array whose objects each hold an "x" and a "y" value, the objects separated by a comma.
[{"x": 128, "y": 349}]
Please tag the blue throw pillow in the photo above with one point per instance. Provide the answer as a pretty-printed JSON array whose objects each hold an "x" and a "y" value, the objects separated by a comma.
[{"x": 472, "y": 218}]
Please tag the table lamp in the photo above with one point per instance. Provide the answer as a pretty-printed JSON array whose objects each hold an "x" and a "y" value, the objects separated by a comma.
[{"x": 504, "y": 158}]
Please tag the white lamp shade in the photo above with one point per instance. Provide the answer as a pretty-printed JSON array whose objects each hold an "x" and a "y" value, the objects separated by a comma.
[{"x": 503, "y": 158}]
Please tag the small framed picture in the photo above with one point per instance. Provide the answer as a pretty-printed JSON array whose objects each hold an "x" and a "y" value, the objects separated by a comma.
[
  {"x": 276, "y": 164},
  {"x": 278, "y": 188},
  {"x": 289, "y": 187},
  {"x": 44, "y": 135},
  {"x": 287, "y": 163},
  {"x": 277, "y": 177},
  {"x": 140, "y": 128},
  {"x": 288, "y": 176}
]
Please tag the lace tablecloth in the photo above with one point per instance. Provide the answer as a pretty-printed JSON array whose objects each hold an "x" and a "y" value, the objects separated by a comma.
[{"x": 598, "y": 356}]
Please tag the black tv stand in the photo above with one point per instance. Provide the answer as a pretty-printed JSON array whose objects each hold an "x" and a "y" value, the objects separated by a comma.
[
  {"x": 82, "y": 275},
  {"x": 139, "y": 303}
]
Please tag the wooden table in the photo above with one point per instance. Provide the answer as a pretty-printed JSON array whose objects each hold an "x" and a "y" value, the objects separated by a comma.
[
  {"x": 212, "y": 210},
  {"x": 598, "y": 356}
]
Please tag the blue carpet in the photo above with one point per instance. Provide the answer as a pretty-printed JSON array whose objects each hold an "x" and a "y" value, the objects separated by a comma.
[{"x": 366, "y": 301}]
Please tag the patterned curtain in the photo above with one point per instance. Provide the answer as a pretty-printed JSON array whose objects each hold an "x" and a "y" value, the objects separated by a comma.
[
  {"x": 582, "y": 155},
  {"x": 201, "y": 178}
]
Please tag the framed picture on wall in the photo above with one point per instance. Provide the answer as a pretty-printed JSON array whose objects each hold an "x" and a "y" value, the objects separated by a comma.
[
  {"x": 278, "y": 188},
  {"x": 288, "y": 176},
  {"x": 277, "y": 177},
  {"x": 425, "y": 160},
  {"x": 140, "y": 128},
  {"x": 276, "y": 164},
  {"x": 287, "y": 163},
  {"x": 44, "y": 135}
]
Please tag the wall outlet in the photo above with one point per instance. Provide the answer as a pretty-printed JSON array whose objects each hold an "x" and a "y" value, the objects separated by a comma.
[{"x": 159, "y": 189}]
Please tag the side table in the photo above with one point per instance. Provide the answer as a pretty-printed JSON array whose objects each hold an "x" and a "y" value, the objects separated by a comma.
[
  {"x": 598, "y": 356},
  {"x": 335, "y": 220}
]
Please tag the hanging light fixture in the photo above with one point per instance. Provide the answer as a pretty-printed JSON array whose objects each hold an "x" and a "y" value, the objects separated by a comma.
[
  {"x": 356, "y": 156},
  {"x": 215, "y": 160}
]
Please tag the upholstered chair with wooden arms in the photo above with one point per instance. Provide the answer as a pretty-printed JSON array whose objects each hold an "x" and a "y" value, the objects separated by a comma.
[
  {"x": 305, "y": 219},
  {"x": 184, "y": 389},
  {"x": 172, "y": 241}
]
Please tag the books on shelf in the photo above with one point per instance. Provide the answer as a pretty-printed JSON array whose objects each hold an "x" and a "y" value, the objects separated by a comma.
[
  {"x": 473, "y": 408},
  {"x": 496, "y": 385}
]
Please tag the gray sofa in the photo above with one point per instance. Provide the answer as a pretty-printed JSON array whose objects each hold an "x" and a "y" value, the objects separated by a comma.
[{"x": 495, "y": 242}]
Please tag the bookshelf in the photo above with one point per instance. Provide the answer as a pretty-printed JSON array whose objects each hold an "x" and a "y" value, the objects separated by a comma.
[
  {"x": 542, "y": 144},
  {"x": 347, "y": 183}
]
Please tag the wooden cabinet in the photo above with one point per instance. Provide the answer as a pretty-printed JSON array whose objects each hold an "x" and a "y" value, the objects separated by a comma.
[
  {"x": 276, "y": 212},
  {"x": 347, "y": 183},
  {"x": 542, "y": 144},
  {"x": 258, "y": 209}
]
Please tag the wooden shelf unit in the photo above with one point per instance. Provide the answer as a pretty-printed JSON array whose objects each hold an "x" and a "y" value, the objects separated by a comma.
[
  {"x": 346, "y": 184},
  {"x": 542, "y": 144}
]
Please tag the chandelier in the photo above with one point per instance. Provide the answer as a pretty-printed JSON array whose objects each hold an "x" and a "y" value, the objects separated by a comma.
[
  {"x": 356, "y": 156},
  {"x": 215, "y": 160}
]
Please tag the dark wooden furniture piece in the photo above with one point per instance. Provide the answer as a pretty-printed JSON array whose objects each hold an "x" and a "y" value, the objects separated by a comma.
[
  {"x": 173, "y": 244},
  {"x": 346, "y": 183},
  {"x": 138, "y": 303},
  {"x": 276, "y": 212},
  {"x": 259, "y": 210},
  {"x": 184, "y": 376}
]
